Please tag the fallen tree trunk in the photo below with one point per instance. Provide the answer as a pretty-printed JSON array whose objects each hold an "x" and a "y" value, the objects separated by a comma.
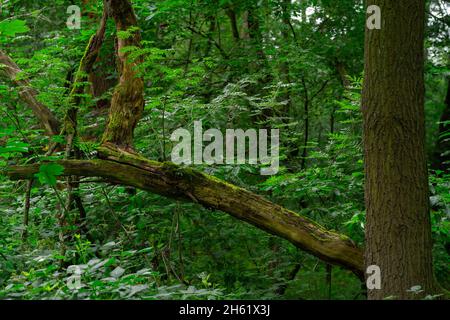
[
  {"x": 46, "y": 118},
  {"x": 179, "y": 182}
]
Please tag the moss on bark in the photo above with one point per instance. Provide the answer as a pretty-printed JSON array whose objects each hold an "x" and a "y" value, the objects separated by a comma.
[{"x": 174, "y": 181}]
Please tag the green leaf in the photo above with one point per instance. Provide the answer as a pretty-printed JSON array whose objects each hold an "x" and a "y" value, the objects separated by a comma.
[
  {"x": 127, "y": 33},
  {"x": 48, "y": 173},
  {"x": 9, "y": 28},
  {"x": 13, "y": 146}
]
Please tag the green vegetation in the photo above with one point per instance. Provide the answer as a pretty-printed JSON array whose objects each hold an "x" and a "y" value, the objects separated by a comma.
[{"x": 133, "y": 225}]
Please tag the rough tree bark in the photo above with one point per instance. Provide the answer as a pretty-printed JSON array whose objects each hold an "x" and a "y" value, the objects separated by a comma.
[
  {"x": 127, "y": 102},
  {"x": 398, "y": 231}
]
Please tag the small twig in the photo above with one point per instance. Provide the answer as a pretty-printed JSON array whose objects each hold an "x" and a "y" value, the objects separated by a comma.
[
  {"x": 211, "y": 40},
  {"x": 324, "y": 85}
]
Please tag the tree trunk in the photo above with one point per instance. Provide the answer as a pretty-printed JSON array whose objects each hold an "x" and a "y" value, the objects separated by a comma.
[
  {"x": 253, "y": 35},
  {"x": 398, "y": 232},
  {"x": 85, "y": 68},
  {"x": 306, "y": 123},
  {"x": 284, "y": 68},
  {"x": 233, "y": 24},
  {"x": 98, "y": 78},
  {"x": 46, "y": 118},
  {"x": 127, "y": 103}
]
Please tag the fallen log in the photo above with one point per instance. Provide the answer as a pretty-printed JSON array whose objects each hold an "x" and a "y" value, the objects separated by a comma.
[{"x": 173, "y": 181}]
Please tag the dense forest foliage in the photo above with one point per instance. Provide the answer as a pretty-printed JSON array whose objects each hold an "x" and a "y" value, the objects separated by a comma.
[{"x": 85, "y": 213}]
